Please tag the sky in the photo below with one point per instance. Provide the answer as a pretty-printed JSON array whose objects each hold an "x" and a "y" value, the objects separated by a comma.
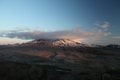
[{"x": 89, "y": 21}]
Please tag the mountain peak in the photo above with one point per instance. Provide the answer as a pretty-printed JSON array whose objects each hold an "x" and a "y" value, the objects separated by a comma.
[{"x": 56, "y": 42}]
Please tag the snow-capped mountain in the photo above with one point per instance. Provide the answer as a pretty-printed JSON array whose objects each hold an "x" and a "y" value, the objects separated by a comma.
[{"x": 56, "y": 43}]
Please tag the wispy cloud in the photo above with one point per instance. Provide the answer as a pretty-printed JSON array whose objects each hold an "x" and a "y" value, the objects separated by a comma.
[
  {"x": 103, "y": 25},
  {"x": 116, "y": 37}
]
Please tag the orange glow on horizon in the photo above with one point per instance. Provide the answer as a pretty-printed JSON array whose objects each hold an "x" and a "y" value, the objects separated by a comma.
[{"x": 5, "y": 40}]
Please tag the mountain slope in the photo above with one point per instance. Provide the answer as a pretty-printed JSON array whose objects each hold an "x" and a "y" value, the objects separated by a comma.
[{"x": 55, "y": 43}]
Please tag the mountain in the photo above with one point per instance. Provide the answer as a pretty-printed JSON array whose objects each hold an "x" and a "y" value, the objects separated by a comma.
[
  {"x": 62, "y": 58},
  {"x": 55, "y": 43},
  {"x": 61, "y": 51}
]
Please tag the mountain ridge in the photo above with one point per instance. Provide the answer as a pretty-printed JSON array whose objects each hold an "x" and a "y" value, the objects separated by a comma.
[{"x": 55, "y": 43}]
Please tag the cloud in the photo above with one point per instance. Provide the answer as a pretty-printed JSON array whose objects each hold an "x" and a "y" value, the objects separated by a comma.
[
  {"x": 84, "y": 35},
  {"x": 116, "y": 37},
  {"x": 6, "y": 40},
  {"x": 103, "y": 25}
]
